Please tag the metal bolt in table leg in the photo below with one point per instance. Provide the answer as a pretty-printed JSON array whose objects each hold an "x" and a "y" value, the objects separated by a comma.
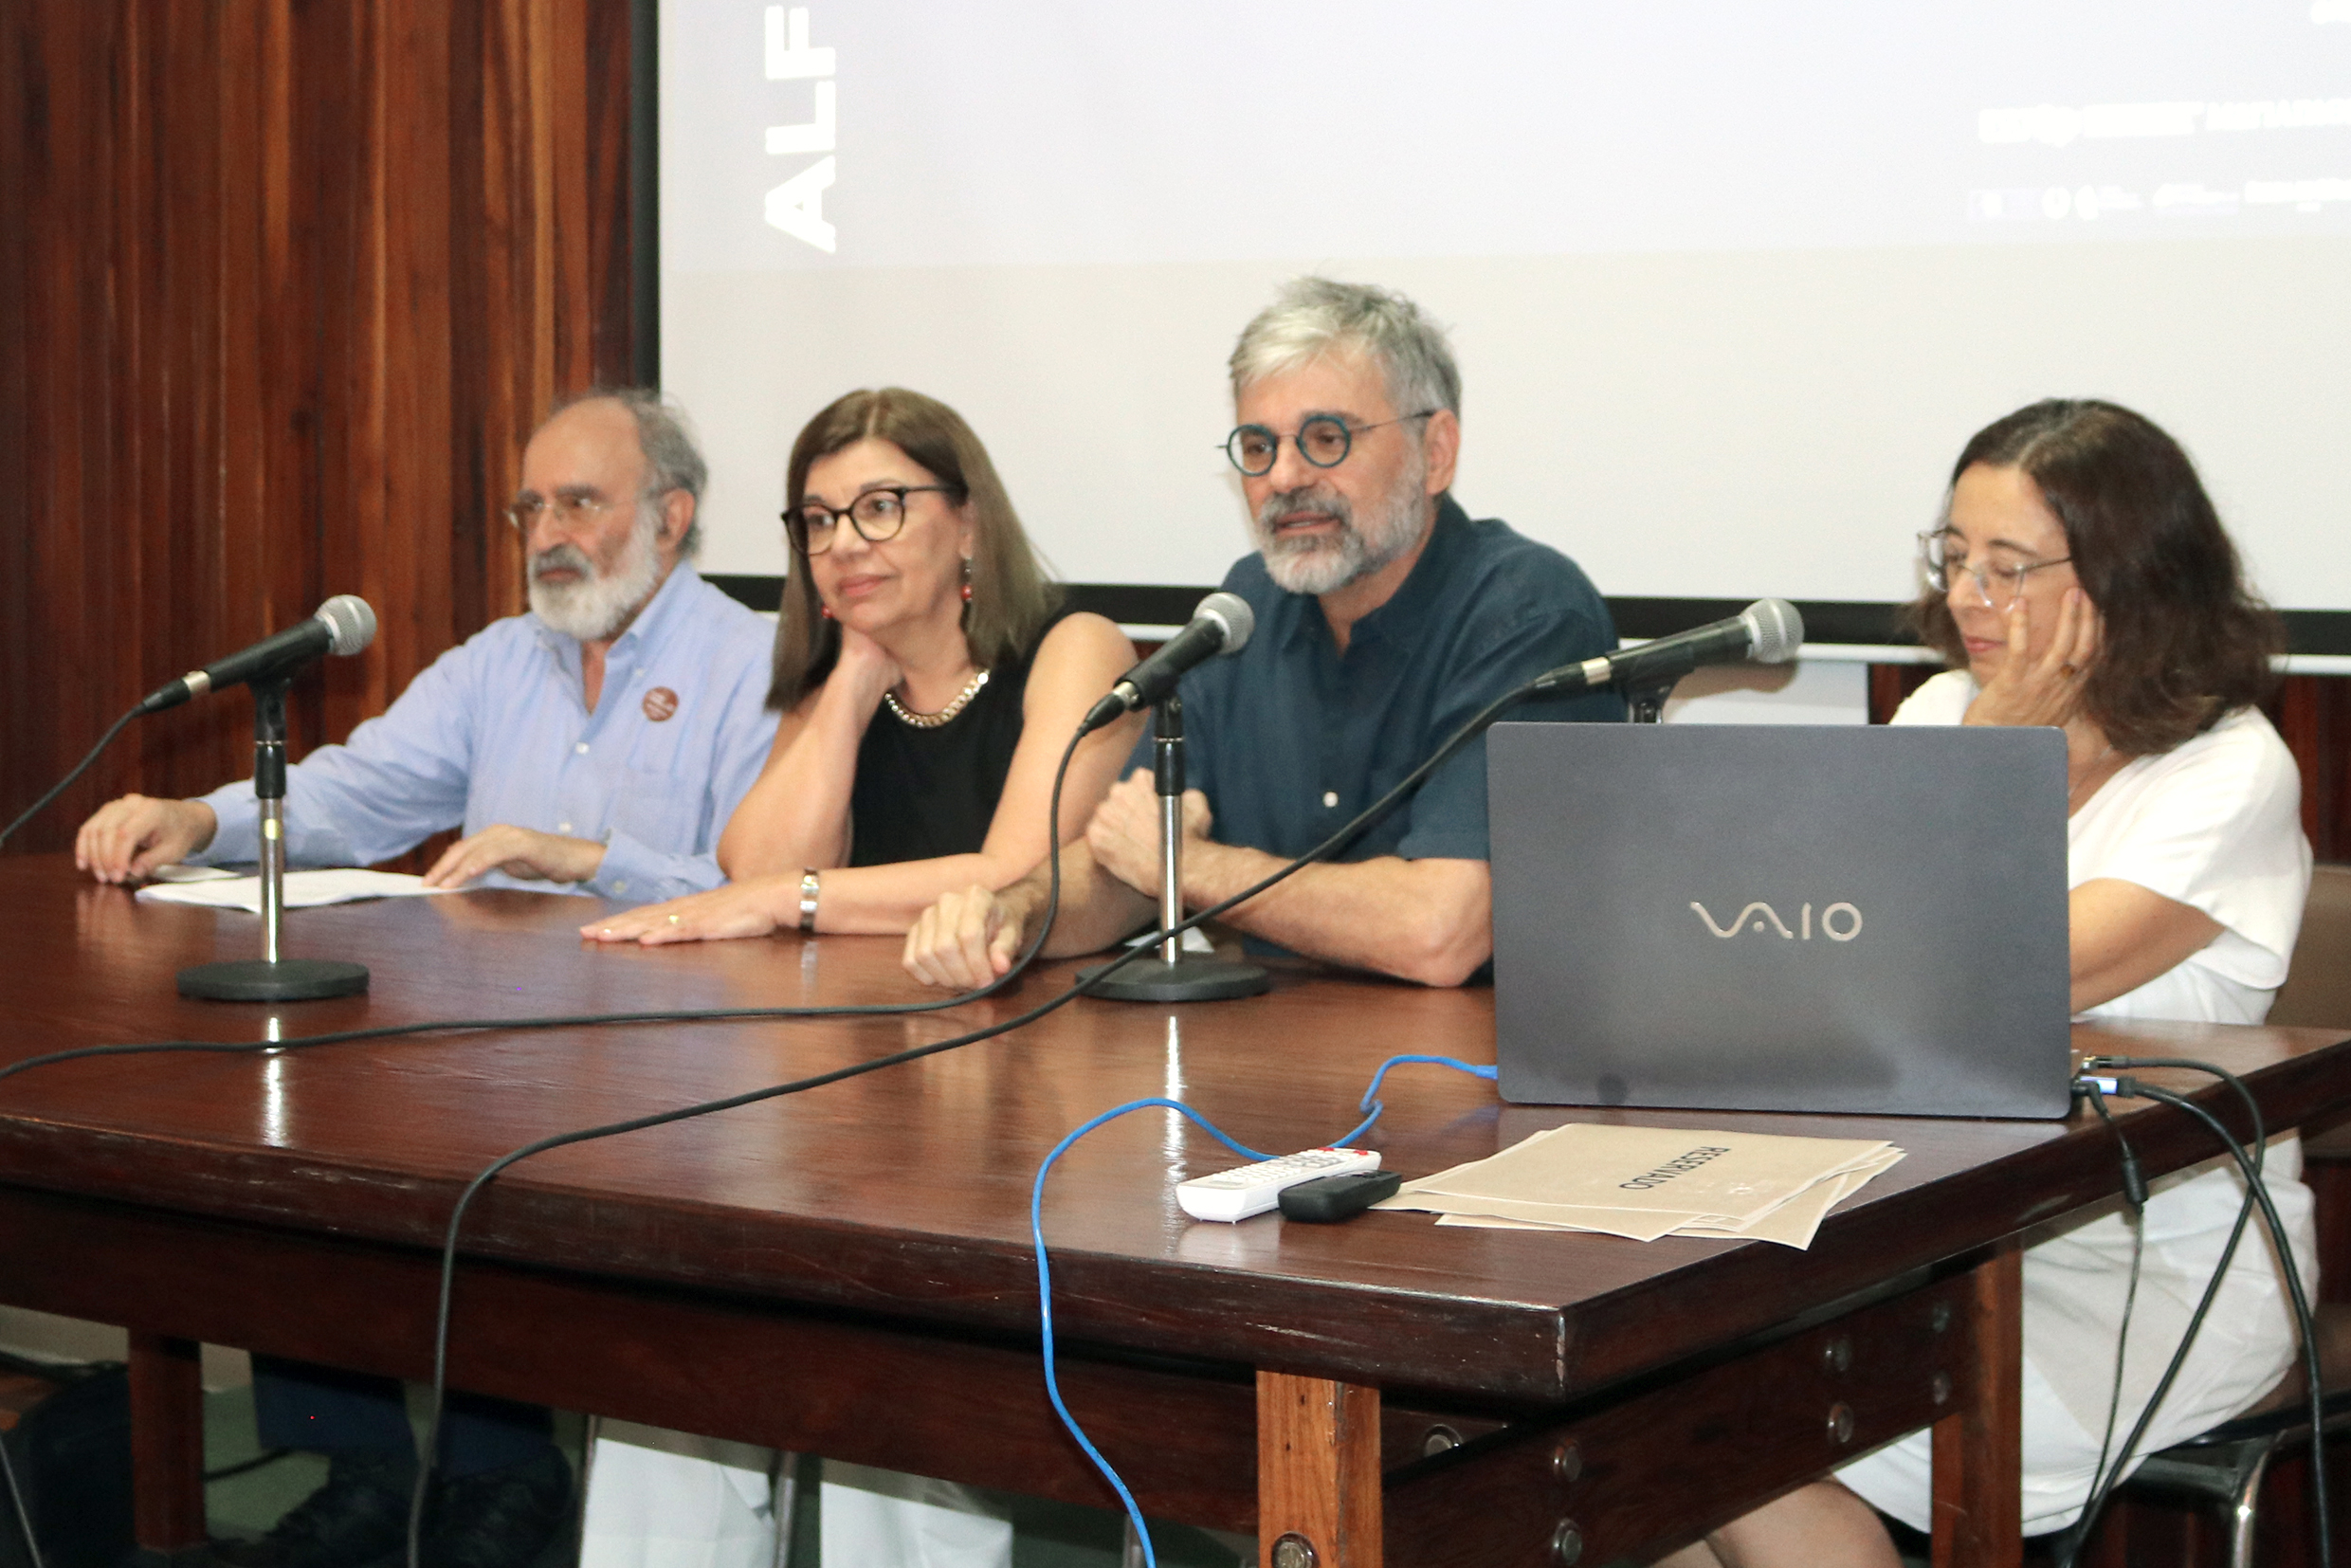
[{"x": 1294, "y": 1551}]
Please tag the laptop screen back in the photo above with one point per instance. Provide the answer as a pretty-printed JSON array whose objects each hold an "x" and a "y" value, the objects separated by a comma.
[{"x": 1781, "y": 918}]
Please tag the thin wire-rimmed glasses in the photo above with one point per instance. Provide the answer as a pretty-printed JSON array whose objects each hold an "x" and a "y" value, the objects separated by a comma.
[
  {"x": 877, "y": 515},
  {"x": 573, "y": 509},
  {"x": 1998, "y": 582},
  {"x": 1324, "y": 441}
]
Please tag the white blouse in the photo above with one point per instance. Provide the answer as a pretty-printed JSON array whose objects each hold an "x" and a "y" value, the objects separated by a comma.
[{"x": 2214, "y": 823}]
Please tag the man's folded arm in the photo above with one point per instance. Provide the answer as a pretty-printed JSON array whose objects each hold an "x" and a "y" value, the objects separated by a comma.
[{"x": 1428, "y": 920}]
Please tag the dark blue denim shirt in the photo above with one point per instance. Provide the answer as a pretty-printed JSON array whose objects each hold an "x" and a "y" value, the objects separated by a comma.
[{"x": 1290, "y": 739}]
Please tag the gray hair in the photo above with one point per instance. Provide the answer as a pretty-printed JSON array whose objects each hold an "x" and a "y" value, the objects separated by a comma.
[
  {"x": 672, "y": 461},
  {"x": 1313, "y": 317}
]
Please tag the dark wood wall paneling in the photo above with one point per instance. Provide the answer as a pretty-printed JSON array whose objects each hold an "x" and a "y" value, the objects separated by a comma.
[{"x": 284, "y": 286}]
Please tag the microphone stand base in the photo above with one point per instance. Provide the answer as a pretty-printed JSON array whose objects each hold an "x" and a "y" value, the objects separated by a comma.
[
  {"x": 287, "y": 980},
  {"x": 1189, "y": 978}
]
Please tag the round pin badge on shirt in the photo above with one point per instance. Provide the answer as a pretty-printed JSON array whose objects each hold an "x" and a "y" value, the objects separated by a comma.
[{"x": 659, "y": 704}]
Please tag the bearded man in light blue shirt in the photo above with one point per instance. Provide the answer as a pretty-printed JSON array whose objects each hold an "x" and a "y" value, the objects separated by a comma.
[{"x": 599, "y": 743}]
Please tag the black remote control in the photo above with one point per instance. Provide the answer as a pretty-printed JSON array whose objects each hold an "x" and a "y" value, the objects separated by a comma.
[{"x": 1329, "y": 1199}]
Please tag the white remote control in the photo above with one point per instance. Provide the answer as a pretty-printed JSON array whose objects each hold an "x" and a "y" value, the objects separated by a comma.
[{"x": 1247, "y": 1190}]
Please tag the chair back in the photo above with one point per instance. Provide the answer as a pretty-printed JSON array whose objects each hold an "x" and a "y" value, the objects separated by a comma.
[{"x": 2317, "y": 993}]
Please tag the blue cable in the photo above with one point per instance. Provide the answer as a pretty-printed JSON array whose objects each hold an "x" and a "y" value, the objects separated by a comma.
[
  {"x": 1045, "y": 1293},
  {"x": 1376, "y": 1109},
  {"x": 1044, "y": 1273}
]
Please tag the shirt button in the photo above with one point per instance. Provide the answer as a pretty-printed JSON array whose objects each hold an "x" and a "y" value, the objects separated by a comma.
[
  {"x": 1330, "y": 797},
  {"x": 563, "y": 826},
  {"x": 620, "y": 886},
  {"x": 581, "y": 748}
]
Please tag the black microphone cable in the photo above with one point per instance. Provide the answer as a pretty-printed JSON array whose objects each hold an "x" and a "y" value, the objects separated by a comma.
[
  {"x": 2135, "y": 1201},
  {"x": 24, "y": 1514},
  {"x": 2103, "y": 1480},
  {"x": 2103, "y": 1486},
  {"x": 66, "y": 783},
  {"x": 352, "y": 620},
  {"x": 2314, "y": 1374}
]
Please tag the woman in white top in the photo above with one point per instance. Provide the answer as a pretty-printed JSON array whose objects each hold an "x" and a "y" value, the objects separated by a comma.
[{"x": 2082, "y": 579}]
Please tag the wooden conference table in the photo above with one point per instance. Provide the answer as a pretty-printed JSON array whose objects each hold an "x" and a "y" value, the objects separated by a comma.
[{"x": 848, "y": 1271}]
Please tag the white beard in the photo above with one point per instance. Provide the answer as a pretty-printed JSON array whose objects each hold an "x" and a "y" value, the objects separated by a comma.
[
  {"x": 596, "y": 606},
  {"x": 1304, "y": 565}
]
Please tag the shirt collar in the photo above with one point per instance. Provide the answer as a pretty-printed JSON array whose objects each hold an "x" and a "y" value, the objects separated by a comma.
[{"x": 1416, "y": 596}]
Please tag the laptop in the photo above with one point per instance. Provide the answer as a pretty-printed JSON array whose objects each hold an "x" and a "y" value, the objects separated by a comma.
[{"x": 1782, "y": 917}]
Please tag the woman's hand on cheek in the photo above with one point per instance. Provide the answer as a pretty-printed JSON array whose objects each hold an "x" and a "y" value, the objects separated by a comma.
[{"x": 2044, "y": 688}]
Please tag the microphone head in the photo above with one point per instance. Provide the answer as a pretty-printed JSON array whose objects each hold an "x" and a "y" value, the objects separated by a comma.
[
  {"x": 1775, "y": 631},
  {"x": 350, "y": 621},
  {"x": 1231, "y": 611}
]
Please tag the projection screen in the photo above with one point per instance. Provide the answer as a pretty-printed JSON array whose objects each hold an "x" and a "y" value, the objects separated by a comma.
[{"x": 1730, "y": 283}]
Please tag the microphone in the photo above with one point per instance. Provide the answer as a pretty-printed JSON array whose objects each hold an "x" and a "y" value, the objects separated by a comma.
[
  {"x": 343, "y": 626},
  {"x": 1222, "y": 624},
  {"x": 1766, "y": 633}
]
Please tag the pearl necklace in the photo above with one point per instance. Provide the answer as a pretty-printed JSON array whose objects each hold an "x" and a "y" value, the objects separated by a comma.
[{"x": 932, "y": 720}]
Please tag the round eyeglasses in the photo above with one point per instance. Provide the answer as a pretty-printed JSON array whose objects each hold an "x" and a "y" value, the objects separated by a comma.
[
  {"x": 877, "y": 515},
  {"x": 1324, "y": 441},
  {"x": 1998, "y": 582}
]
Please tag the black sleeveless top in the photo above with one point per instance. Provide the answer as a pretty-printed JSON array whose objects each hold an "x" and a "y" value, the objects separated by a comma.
[{"x": 923, "y": 793}]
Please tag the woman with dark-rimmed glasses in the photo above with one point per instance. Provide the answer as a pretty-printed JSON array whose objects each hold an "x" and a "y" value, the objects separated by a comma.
[
  {"x": 2081, "y": 580},
  {"x": 927, "y": 682}
]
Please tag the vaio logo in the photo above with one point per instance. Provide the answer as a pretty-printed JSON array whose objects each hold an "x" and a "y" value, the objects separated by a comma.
[{"x": 1839, "y": 922}]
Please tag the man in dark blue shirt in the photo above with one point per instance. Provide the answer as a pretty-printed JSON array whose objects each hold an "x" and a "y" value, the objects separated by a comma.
[{"x": 1385, "y": 618}]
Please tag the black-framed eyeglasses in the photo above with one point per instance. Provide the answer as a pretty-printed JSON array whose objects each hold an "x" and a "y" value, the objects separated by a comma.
[
  {"x": 877, "y": 515},
  {"x": 1324, "y": 441},
  {"x": 1998, "y": 582},
  {"x": 572, "y": 508}
]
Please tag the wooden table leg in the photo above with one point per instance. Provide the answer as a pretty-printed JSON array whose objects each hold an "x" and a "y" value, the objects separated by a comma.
[
  {"x": 1317, "y": 1473},
  {"x": 1979, "y": 1449},
  {"x": 167, "y": 1443}
]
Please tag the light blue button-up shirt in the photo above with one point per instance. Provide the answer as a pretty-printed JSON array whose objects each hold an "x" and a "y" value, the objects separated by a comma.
[{"x": 498, "y": 731}]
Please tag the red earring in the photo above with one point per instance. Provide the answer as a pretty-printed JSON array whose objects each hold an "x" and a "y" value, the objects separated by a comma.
[
  {"x": 826, "y": 610},
  {"x": 967, "y": 579}
]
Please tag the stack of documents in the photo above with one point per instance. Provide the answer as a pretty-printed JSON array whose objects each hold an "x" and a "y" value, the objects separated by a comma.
[
  {"x": 1646, "y": 1182},
  {"x": 221, "y": 889}
]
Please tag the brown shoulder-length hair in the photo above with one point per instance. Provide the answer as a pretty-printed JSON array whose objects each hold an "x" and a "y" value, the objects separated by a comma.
[
  {"x": 2185, "y": 641},
  {"x": 1011, "y": 597}
]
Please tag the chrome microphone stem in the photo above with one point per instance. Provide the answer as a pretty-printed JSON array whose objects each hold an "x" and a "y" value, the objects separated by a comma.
[
  {"x": 1171, "y": 875},
  {"x": 270, "y": 797},
  {"x": 273, "y": 873},
  {"x": 1167, "y": 772}
]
